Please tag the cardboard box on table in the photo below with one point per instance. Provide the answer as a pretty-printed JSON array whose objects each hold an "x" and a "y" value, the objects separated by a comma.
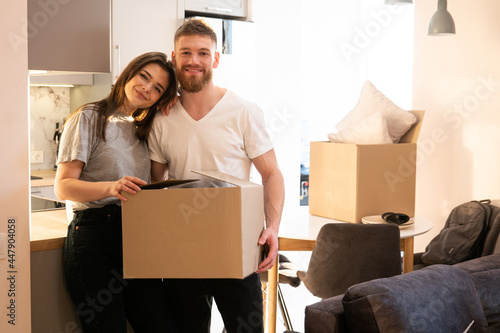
[
  {"x": 350, "y": 181},
  {"x": 203, "y": 229}
]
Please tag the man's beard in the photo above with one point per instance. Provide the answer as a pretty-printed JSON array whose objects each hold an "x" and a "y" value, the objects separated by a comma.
[{"x": 192, "y": 84}]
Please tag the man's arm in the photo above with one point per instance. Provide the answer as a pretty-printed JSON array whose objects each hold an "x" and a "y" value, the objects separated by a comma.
[
  {"x": 274, "y": 197},
  {"x": 159, "y": 171}
]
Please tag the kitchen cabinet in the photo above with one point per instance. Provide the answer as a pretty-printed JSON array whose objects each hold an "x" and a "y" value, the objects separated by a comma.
[
  {"x": 74, "y": 36},
  {"x": 45, "y": 192},
  {"x": 140, "y": 27},
  {"x": 218, "y": 8},
  {"x": 69, "y": 35},
  {"x": 51, "y": 306}
]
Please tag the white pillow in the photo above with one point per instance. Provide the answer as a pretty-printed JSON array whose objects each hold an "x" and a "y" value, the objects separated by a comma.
[
  {"x": 370, "y": 101},
  {"x": 371, "y": 130}
]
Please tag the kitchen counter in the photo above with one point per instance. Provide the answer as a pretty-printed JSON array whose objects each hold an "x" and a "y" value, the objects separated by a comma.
[
  {"x": 48, "y": 177},
  {"x": 48, "y": 229}
]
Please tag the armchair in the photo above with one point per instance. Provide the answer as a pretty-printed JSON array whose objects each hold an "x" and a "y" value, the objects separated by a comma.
[{"x": 346, "y": 254}]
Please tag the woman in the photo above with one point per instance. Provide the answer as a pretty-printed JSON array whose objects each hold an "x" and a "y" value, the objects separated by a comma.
[{"x": 103, "y": 153}]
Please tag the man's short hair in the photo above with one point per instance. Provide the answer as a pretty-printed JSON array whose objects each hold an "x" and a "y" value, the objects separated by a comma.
[{"x": 195, "y": 26}]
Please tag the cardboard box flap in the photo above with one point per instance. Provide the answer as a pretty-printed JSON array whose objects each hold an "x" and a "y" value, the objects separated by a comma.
[
  {"x": 167, "y": 183},
  {"x": 227, "y": 178},
  {"x": 205, "y": 182},
  {"x": 412, "y": 135}
]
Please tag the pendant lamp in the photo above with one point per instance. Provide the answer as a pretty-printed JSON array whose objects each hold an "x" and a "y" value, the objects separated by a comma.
[
  {"x": 398, "y": 2},
  {"x": 441, "y": 23}
]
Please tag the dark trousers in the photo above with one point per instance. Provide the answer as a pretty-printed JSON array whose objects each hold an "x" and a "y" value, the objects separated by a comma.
[
  {"x": 93, "y": 272},
  {"x": 239, "y": 302}
]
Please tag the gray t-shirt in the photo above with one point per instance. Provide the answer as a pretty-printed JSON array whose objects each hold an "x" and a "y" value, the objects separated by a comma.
[{"x": 122, "y": 154}]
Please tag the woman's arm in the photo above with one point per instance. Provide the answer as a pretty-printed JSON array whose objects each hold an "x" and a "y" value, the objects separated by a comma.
[{"x": 68, "y": 186}]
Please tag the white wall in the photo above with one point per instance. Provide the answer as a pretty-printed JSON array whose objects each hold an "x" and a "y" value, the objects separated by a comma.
[
  {"x": 313, "y": 57},
  {"x": 457, "y": 81},
  {"x": 302, "y": 76},
  {"x": 14, "y": 192},
  {"x": 48, "y": 106},
  {"x": 278, "y": 92}
]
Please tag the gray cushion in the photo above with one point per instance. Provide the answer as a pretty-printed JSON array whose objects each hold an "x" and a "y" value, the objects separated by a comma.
[
  {"x": 326, "y": 316},
  {"x": 485, "y": 274},
  {"x": 438, "y": 298}
]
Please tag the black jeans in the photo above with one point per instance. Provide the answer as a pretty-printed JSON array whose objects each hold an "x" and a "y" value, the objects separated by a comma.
[
  {"x": 239, "y": 302},
  {"x": 93, "y": 271}
]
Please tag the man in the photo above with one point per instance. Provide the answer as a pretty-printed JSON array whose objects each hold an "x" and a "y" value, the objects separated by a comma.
[{"x": 211, "y": 128}]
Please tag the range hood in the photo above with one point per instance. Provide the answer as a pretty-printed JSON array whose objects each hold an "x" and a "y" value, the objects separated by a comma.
[{"x": 48, "y": 78}]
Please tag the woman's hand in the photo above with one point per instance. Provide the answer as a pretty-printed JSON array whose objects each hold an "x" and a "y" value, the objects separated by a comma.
[
  {"x": 128, "y": 184},
  {"x": 165, "y": 109},
  {"x": 68, "y": 185}
]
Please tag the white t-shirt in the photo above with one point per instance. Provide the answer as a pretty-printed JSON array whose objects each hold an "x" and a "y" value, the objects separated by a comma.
[{"x": 225, "y": 140}]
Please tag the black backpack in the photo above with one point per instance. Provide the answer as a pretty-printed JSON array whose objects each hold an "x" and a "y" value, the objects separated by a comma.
[{"x": 463, "y": 235}]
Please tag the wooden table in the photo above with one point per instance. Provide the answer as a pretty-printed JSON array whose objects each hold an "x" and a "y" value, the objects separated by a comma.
[{"x": 298, "y": 232}]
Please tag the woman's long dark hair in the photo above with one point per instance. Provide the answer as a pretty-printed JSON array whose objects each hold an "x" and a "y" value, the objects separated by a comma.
[{"x": 143, "y": 117}]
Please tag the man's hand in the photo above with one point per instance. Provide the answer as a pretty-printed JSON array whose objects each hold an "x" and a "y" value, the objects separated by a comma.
[{"x": 269, "y": 237}]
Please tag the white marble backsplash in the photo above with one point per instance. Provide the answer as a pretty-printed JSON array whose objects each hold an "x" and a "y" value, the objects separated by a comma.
[{"x": 48, "y": 106}]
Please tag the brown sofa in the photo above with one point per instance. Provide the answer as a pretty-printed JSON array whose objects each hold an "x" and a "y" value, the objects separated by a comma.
[{"x": 438, "y": 298}]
